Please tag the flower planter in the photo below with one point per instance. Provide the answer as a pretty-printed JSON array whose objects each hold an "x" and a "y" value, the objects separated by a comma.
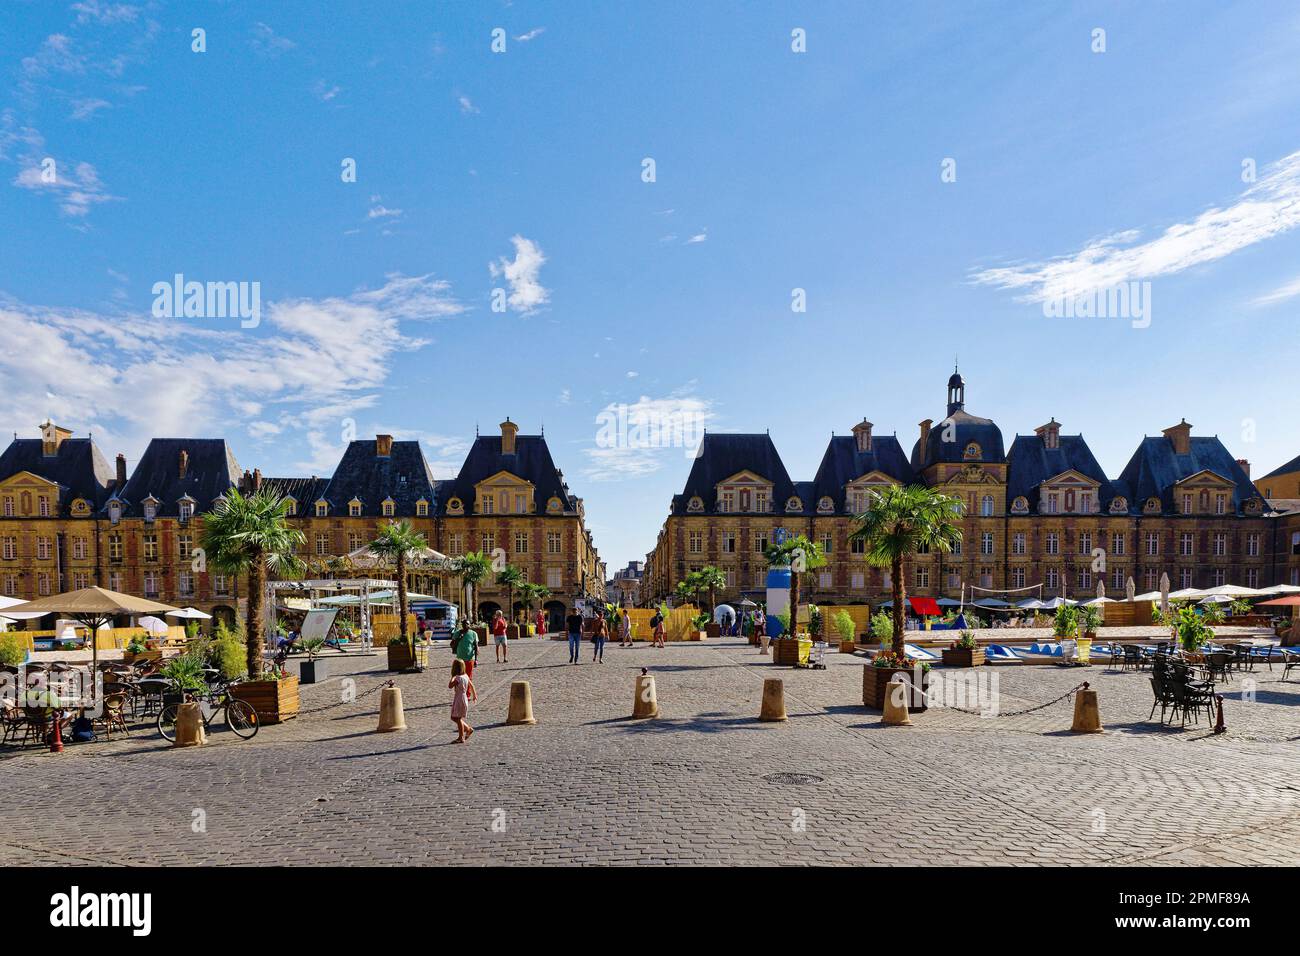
[
  {"x": 313, "y": 672},
  {"x": 400, "y": 656},
  {"x": 713, "y": 630},
  {"x": 848, "y": 647},
  {"x": 512, "y": 632},
  {"x": 274, "y": 700},
  {"x": 789, "y": 651},
  {"x": 142, "y": 656},
  {"x": 482, "y": 632},
  {"x": 963, "y": 656},
  {"x": 876, "y": 679}
]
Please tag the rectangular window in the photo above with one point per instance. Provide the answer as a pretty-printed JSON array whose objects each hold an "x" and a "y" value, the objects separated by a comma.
[
  {"x": 555, "y": 578},
  {"x": 1187, "y": 504},
  {"x": 521, "y": 504},
  {"x": 1220, "y": 504},
  {"x": 1017, "y": 577},
  {"x": 1252, "y": 577},
  {"x": 1085, "y": 542},
  {"x": 1053, "y": 543},
  {"x": 1018, "y": 543},
  {"x": 455, "y": 544},
  {"x": 1117, "y": 579},
  {"x": 485, "y": 504},
  {"x": 760, "y": 500},
  {"x": 1220, "y": 544},
  {"x": 9, "y": 508},
  {"x": 43, "y": 551},
  {"x": 185, "y": 584},
  {"x": 824, "y": 579},
  {"x": 986, "y": 542},
  {"x": 150, "y": 547},
  {"x": 322, "y": 542},
  {"x": 1152, "y": 542},
  {"x": 859, "y": 580},
  {"x": 1252, "y": 545},
  {"x": 728, "y": 502},
  {"x": 760, "y": 542},
  {"x": 184, "y": 545},
  {"x": 151, "y": 584},
  {"x": 1053, "y": 579},
  {"x": 1185, "y": 546},
  {"x": 79, "y": 549},
  {"x": 355, "y": 541},
  {"x": 552, "y": 542},
  {"x": 857, "y": 546},
  {"x": 826, "y": 542},
  {"x": 1117, "y": 543},
  {"x": 43, "y": 507},
  {"x": 521, "y": 542},
  {"x": 1219, "y": 577},
  {"x": 1085, "y": 502},
  {"x": 219, "y": 584},
  {"x": 922, "y": 577},
  {"x": 115, "y": 580},
  {"x": 43, "y": 583},
  {"x": 9, "y": 549},
  {"x": 1053, "y": 503},
  {"x": 1151, "y": 579},
  {"x": 489, "y": 540},
  {"x": 1085, "y": 579},
  {"x": 695, "y": 543},
  {"x": 728, "y": 542},
  {"x": 80, "y": 580},
  {"x": 115, "y": 547},
  {"x": 1185, "y": 578}
]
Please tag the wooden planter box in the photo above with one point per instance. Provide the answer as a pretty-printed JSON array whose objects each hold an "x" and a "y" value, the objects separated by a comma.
[
  {"x": 876, "y": 679},
  {"x": 713, "y": 630},
  {"x": 963, "y": 657},
  {"x": 274, "y": 700},
  {"x": 512, "y": 632},
  {"x": 400, "y": 657},
  {"x": 482, "y": 632},
  {"x": 142, "y": 656},
  {"x": 788, "y": 651}
]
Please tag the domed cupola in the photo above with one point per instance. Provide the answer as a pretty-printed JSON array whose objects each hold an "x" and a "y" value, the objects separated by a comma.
[
  {"x": 961, "y": 437},
  {"x": 956, "y": 391}
]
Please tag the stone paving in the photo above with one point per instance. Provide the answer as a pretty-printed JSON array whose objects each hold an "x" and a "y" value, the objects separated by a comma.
[{"x": 705, "y": 783}]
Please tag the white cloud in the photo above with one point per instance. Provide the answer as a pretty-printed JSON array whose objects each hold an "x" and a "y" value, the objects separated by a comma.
[
  {"x": 55, "y": 55},
  {"x": 382, "y": 212},
  {"x": 93, "y": 11},
  {"x": 466, "y": 105},
  {"x": 85, "y": 109},
  {"x": 1283, "y": 292},
  {"x": 1268, "y": 208},
  {"x": 636, "y": 439},
  {"x": 522, "y": 274},
  {"x": 531, "y": 34},
  {"x": 312, "y": 364},
  {"x": 269, "y": 43},
  {"x": 701, "y": 236},
  {"x": 76, "y": 184},
  {"x": 564, "y": 397},
  {"x": 325, "y": 92}
]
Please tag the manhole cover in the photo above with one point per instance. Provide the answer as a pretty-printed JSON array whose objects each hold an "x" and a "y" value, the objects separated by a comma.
[{"x": 793, "y": 779}]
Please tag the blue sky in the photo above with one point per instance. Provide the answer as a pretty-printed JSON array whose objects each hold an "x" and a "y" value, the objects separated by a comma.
[{"x": 523, "y": 171}]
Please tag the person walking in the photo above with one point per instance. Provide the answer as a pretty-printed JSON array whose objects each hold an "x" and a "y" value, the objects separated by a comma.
[
  {"x": 462, "y": 693},
  {"x": 573, "y": 624},
  {"x": 625, "y": 633},
  {"x": 657, "y": 622},
  {"x": 599, "y": 633},
  {"x": 541, "y": 623},
  {"x": 499, "y": 637},
  {"x": 464, "y": 645}
]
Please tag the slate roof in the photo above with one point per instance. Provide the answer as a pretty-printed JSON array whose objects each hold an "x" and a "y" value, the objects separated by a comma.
[
  {"x": 1030, "y": 462},
  {"x": 530, "y": 461},
  {"x": 305, "y": 491},
  {"x": 77, "y": 467},
  {"x": 210, "y": 472},
  {"x": 363, "y": 474},
  {"x": 723, "y": 455},
  {"x": 967, "y": 428},
  {"x": 1290, "y": 467},
  {"x": 1154, "y": 469},
  {"x": 842, "y": 463}
]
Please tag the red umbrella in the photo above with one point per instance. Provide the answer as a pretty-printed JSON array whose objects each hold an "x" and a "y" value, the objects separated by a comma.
[{"x": 1290, "y": 600}]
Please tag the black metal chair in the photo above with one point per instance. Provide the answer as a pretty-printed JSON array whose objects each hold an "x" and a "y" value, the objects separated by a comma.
[
  {"x": 1164, "y": 695},
  {"x": 1290, "y": 660},
  {"x": 1133, "y": 657},
  {"x": 1217, "y": 664}
]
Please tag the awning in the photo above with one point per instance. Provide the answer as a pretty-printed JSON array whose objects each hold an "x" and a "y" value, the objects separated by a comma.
[{"x": 924, "y": 605}]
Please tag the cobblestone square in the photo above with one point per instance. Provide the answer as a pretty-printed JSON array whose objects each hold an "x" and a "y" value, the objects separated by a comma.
[{"x": 704, "y": 783}]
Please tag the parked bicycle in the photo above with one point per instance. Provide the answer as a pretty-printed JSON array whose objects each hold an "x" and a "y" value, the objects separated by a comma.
[{"x": 240, "y": 716}]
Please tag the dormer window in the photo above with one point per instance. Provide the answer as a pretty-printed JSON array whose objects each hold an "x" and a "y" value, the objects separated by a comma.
[
  {"x": 695, "y": 504},
  {"x": 972, "y": 452},
  {"x": 1152, "y": 507},
  {"x": 81, "y": 507},
  {"x": 454, "y": 506},
  {"x": 291, "y": 505},
  {"x": 1020, "y": 506},
  {"x": 150, "y": 509},
  {"x": 185, "y": 509},
  {"x": 554, "y": 506},
  {"x": 825, "y": 505},
  {"x": 793, "y": 504},
  {"x": 322, "y": 508},
  {"x": 421, "y": 508},
  {"x": 115, "y": 511},
  {"x": 1118, "y": 505},
  {"x": 354, "y": 508},
  {"x": 389, "y": 507}
]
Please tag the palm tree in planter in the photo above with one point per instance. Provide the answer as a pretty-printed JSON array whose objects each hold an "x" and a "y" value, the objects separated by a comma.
[
  {"x": 532, "y": 596},
  {"x": 685, "y": 591},
  {"x": 899, "y": 522},
  {"x": 711, "y": 579},
  {"x": 473, "y": 567},
  {"x": 800, "y": 555},
  {"x": 250, "y": 534},
  {"x": 511, "y": 577},
  {"x": 396, "y": 542}
]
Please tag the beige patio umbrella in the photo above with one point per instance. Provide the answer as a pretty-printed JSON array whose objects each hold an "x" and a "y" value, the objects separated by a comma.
[
  {"x": 94, "y": 607},
  {"x": 1164, "y": 593},
  {"x": 1130, "y": 588}
]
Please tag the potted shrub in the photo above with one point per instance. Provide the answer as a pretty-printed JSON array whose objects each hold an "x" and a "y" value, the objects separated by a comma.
[
  {"x": 700, "y": 622},
  {"x": 790, "y": 648},
  {"x": 186, "y": 674},
  {"x": 1190, "y": 629},
  {"x": 881, "y": 629},
  {"x": 274, "y": 695},
  {"x": 842, "y": 621},
  {"x": 1090, "y": 620},
  {"x": 1066, "y": 623},
  {"x": 13, "y": 650},
  {"x": 401, "y": 655},
  {"x": 877, "y": 675},
  {"x": 313, "y": 670},
  {"x": 964, "y": 652}
]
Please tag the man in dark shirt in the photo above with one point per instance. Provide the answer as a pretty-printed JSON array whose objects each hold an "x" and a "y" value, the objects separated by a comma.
[{"x": 574, "y": 625}]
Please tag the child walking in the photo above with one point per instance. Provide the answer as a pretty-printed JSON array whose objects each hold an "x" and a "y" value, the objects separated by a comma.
[{"x": 463, "y": 693}]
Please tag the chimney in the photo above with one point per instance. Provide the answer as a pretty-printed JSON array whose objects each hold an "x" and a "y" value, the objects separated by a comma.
[
  {"x": 184, "y": 462},
  {"x": 383, "y": 445},
  {"x": 1244, "y": 465},
  {"x": 508, "y": 431},
  {"x": 257, "y": 480},
  {"x": 121, "y": 472},
  {"x": 1181, "y": 436},
  {"x": 52, "y": 437},
  {"x": 925, "y": 434},
  {"x": 862, "y": 435},
  {"x": 1050, "y": 434}
]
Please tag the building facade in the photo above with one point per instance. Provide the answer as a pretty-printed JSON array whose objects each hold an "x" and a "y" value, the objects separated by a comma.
[
  {"x": 1041, "y": 512},
  {"x": 624, "y": 588},
  {"x": 68, "y": 520}
]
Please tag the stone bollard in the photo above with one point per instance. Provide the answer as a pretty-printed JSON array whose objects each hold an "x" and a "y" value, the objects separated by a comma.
[
  {"x": 646, "y": 703},
  {"x": 189, "y": 726},
  {"x": 1087, "y": 716},
  {"x": 521, "y": 703},
  {"x": 391, "y": 716},
  {"x": 773, "y": 699},
  {"x": 896, "y": 692}
]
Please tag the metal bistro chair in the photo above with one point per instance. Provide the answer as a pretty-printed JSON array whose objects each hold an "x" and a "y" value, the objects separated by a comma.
[
  {"x": 1290, "y": 661},
  {"x": 1163, "y": 690},
  {"x": 1132, "y": 657},
  {"x": 1191, "y": 694},
  {"x": 1241, "y": 657},
  {"x": 1217, "y": 664}
]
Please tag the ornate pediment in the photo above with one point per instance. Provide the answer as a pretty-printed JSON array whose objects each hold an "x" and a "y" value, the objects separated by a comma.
[
  {"x": 1205, "y": 479},
  {"x": 971, "y": 475},
  {"x": 1071, "y": 479}
]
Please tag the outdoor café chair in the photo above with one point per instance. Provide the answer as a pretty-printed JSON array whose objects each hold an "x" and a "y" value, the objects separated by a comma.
[
  {"x": 1164, "y": 695},
  {"x": 1191, "y": 696},
  {"x": 11, "y": 722},
  {"x": 1133, "y": 657},
  {"x": 1290, "y": 660},
  {"x": 113, "y": 716},
  {"x": 1217, "y": 664}
]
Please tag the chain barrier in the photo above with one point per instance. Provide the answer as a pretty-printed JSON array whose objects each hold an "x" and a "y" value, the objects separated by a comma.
[
  {"x": 983, "y": 712},
  {"x": 378, "y": 687}
]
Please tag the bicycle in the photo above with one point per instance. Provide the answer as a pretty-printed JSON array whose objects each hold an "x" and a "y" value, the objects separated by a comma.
[{"x": 240, "y": 716}]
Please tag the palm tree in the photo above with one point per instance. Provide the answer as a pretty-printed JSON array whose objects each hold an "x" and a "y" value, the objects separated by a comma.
[
  {"x": 396, "y": 542},
  {"x": 533, "y": 595},
  {"x": 473, "y": 567},
  {"x": 251, "y": 533},
  {"x": 899, "y": 522},
  {"x": 711, "y": 579},
  {"x": 685, "y": 591},
  {"x": 801, "y": 555},
  {"x": 511, "y": 577}
]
